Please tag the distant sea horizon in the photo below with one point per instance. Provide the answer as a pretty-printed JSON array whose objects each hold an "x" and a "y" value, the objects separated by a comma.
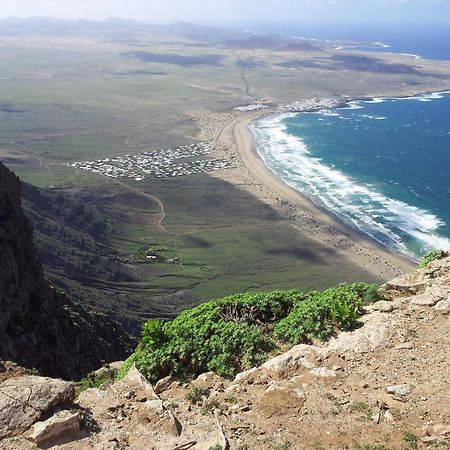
[
  {"x": 422, "y": 40},
  {"x": 381, "y": 166}
]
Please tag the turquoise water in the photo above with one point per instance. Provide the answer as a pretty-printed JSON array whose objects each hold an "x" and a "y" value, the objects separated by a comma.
[{"x": 382, "y": 166}]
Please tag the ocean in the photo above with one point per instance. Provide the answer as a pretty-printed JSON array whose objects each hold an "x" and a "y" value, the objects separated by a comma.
[
  {"x": 424, "y": 40},
  {"x": 382, "y": 166}
]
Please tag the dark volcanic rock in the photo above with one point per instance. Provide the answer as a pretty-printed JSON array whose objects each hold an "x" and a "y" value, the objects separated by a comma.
[{"x": 39, "y": 326}]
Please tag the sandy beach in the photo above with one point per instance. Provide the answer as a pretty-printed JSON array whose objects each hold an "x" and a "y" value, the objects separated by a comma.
[{"x": 231, "y": 132}]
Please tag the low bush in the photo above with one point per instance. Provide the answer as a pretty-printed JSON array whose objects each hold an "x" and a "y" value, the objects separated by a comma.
[
  {"x": 432, "y": 256},
  {"x": 241, "y": 331},
  {"x": 320, "y": 314}
]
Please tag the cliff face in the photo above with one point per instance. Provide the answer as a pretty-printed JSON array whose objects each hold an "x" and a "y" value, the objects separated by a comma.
[{"x": 40, "y": 327}]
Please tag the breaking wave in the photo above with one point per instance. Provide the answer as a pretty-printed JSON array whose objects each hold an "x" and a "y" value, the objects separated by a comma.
[{"x": 393, "y": 223}]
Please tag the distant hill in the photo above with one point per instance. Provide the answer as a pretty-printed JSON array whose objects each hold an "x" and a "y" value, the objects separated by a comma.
[
  {"x": 270, "y": 42},
  {"x": 52, "y": 26}
]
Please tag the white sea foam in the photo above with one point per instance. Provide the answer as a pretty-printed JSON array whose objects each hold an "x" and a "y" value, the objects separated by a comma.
[
  {"x": 423, "y": 97},
  {"x": 367, "y": 116},
  {"x": 328, "y": 113},
  {"x": 411, "y": 55},
  {"x": 355, "y": 104},
  {"x": 381, "y": 44},
  {"x": 389, "y": 221},
  {"x": 376, "y": 100}
]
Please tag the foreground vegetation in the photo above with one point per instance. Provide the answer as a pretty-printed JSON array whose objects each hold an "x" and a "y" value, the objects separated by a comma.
[
  {"x": 432, "y": 256},
  {"x": 241, "y": 331}
]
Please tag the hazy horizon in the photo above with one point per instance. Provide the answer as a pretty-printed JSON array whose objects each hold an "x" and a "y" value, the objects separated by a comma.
[{"x": 240, "y": 12}]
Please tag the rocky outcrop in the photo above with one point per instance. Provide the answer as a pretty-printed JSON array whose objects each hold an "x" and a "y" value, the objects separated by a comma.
[
  {"x": 39, "y": 326},
  {"x": 26, "y": 399}
]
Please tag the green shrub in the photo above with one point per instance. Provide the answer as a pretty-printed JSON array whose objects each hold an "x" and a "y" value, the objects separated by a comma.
[
  {"x": 432, "y": 256},
  {"x": 319, "y": 314},
  {"x": 239, "y": 332},
  {"x": 92, "y": 380},
  {"x": 372, "y": 294},
  {"x": 195, "y": 394},
  {"x": 152, "y": 333},
  {"x": 411, "y": 440}
]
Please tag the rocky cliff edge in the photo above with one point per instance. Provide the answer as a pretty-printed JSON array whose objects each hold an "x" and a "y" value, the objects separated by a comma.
[{"x": 385, "y": 385}]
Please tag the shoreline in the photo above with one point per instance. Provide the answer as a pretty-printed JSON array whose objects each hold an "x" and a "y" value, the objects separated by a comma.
[{"x": 310, "y": 219}]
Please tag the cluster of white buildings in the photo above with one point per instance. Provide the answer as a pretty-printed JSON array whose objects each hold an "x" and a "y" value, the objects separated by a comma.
[
  {"x": 171, "y": 162},
  {"x": 249, "y": 108}
]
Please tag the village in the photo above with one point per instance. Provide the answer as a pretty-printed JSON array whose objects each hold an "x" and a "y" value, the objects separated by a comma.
[{"x": 159, "y": 163}]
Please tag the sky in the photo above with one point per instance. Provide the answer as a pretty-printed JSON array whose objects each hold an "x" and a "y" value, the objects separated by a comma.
[{"x": 236, "y": 11}]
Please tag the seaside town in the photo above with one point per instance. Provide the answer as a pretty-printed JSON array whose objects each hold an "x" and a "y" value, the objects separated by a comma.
[
  {"x": 250, "y": 108},
  {"x": 160, "y": 163}
]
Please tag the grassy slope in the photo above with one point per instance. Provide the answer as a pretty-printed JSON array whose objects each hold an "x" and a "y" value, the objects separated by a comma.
[{"x": 82, "y": 98}]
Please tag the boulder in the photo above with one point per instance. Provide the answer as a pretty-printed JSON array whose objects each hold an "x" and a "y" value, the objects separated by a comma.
[
  {"x": 425, "y": 299},
  {"x": 299, "y": 355},
  {"x": 61, "y": 425},
  {"x": 206, "y": 380},
  {"x": 280, "y": 401},
  {"x": 374, "y": 334},
  {"x": 246, "y": 375},
  {"x": 109, "y": 369},
  {"x": 384, "y": 306},
  {"x": 27, "y": 399},
  {"x": 443, "y": 306},
  {"x": 134, "y": 382}
]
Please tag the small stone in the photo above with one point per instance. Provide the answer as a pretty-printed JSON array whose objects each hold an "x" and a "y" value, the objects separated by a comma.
[
  {"x": 404, "y": 346},
  {"x": 232, "y": 388},
  {"x": 109, "y": 369},
  {"x": 399, "y": 389},
  {"x": 163, "y": 384},
  {"x": 155, "y": 405},
  {"x": 323, "y": 372},
  {"x": 389, "y": 417}
]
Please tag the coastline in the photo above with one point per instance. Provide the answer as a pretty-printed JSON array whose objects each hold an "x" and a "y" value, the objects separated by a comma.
[{"x": 316, "y": 223}]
